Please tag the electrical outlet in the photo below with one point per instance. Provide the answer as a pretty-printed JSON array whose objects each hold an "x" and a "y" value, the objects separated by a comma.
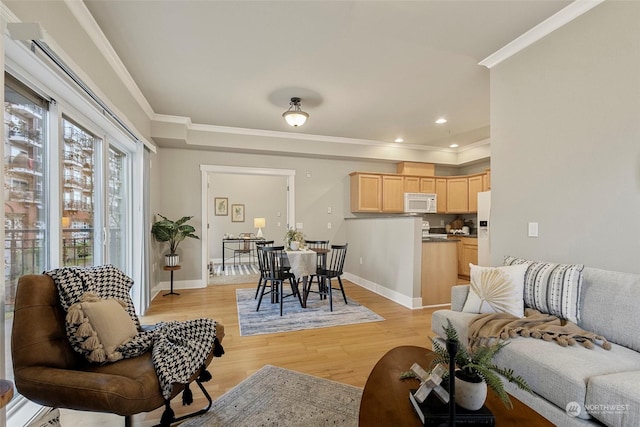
[
  {"x": 309, "y": 174},
  {"x": 329, "y": 210},
  {"x": 298, "y": 226},
  {"x": 360, "y": 260},
  {"x": 278, "y": 224},
  {"x": 533, "y": 229},
  {"x": 329, "y": 225}
]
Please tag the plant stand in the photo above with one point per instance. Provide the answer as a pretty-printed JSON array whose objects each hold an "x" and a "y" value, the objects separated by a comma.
[{"x": 171, "y": 269}]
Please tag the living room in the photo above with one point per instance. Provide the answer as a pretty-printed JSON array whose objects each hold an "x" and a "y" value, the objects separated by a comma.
[{"x": 563, "y": 148}]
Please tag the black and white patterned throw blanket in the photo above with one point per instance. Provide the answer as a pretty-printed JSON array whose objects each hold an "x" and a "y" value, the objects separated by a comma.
[{"x": 179, "y": 349}]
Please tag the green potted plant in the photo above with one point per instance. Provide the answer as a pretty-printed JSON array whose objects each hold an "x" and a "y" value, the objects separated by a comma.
[
  {"x": 173, "y": 232},
  {"x": 476, "y": 370},
  {"x": 294, "y": 239}
]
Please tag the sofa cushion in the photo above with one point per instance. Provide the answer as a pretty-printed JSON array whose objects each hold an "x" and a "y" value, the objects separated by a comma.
[
  {"x": 614, "y": 399},
  {"x": 552, "y": 288},
  {"x": 560, "y": 374},
  {"x": 610, "y": 302},
  {"x": 496, "y": 290},
  {"x": 459, "y": 320}
]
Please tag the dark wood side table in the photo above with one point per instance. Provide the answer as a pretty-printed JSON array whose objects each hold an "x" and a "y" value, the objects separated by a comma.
[
  {"x": 385, "y": 399},
  {"x": 171, "y": 269},
  {"x": 6, "y": 392}
]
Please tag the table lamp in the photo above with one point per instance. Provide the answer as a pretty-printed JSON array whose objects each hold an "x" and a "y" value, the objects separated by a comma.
[{"x": 259, "y": 223}]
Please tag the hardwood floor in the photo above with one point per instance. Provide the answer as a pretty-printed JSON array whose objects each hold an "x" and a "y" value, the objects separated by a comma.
[{"x": 346, "y": 354}]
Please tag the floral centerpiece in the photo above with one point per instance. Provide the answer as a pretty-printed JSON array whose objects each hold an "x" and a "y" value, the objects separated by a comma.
[{"x": 294, "y": 239}]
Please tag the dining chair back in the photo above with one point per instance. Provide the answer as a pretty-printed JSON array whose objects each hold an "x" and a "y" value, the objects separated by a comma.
[
  {"x": 321, "y": 248},
  {"x": 244, "y": 247},
  {"x": 332, "y": 270},
  {"x": 261, "y": 264},
  {"x": 274, "y": 261}
]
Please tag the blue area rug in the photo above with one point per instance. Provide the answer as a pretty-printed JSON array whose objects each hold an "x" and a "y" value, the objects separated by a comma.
[{"x": 294, "y": 317}]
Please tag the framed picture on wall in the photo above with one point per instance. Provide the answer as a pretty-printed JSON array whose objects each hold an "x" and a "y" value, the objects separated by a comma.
[
  {"x": 221, "y": 206},
  {"x": 237, "y": 213}
]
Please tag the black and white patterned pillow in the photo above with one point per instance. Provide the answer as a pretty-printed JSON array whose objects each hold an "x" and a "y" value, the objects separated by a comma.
[{"x": 552, "y": 288}]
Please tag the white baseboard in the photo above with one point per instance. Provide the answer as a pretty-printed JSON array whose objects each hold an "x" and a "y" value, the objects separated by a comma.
[{"x": 406, "y": 301}]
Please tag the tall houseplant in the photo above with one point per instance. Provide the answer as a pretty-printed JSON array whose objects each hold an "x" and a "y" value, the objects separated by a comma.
[
  {"x": 173, "y": 232},
  {"x": 475, "y": 366}
]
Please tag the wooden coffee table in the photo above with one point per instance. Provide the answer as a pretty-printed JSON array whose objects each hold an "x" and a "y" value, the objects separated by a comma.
[{"x": 385, "y": 399}]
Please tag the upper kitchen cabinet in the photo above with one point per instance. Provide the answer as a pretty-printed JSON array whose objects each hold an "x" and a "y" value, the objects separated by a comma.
[
  {"x": 427, "y": 185},
  {"x": 457, "y": 195},
  {"x": 392, "y": 193},
  {"x": 486, "y": 181},
  {"x": 411, "y": 184},
  {"x": 476, "y": 185},
  {"x": 441, "y": 194},
  {"x": 366, "y": 192}
]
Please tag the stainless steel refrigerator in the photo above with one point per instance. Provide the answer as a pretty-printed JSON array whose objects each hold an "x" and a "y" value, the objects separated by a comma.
[{"x": 484, "y": 228}]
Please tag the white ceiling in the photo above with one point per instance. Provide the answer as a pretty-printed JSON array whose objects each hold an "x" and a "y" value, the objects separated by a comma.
[{"x": 364, "y": 69}]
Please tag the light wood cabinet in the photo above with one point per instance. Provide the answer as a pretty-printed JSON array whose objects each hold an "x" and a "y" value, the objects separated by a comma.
[
  {"x": 475, "y": 186},
  {"x": 441, "y": 195},
  {"x": 439, "y": 272},
  {"x": 486, "y": 181},
  {"x": 366, "y": 192},
  {"x": 411, "y": 184},
  {"x": 467, "y": 251},
  {"x": 392, "y": 193},
  {"x": 427, "y": 185},
  {"x": 457, "y": 195}
]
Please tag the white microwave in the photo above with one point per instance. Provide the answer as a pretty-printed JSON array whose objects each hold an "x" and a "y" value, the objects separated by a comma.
[{"x": 420, "y": 203}]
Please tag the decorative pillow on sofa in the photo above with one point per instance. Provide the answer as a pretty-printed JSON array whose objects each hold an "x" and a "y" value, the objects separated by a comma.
[
  {"x": 496, "y": 290},
  {"x": 552, "y": 288},
  {"x": 102, "y": 325}
]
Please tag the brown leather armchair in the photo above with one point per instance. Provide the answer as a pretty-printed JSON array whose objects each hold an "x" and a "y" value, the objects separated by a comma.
[{"x": 49, "y": 372}]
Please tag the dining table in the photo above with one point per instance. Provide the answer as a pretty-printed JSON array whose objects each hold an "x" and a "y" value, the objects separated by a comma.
[{"x": 303, "y": 264}]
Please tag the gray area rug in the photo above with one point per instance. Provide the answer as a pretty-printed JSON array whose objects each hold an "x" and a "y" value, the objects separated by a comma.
[
  {"x": 279, "y": 397},
  {"x": 233, "y": 274},
  {"x": 294, "y": 317}
]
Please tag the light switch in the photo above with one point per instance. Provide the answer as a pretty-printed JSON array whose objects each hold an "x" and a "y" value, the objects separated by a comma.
[
  {"x": 533, "y": 229},
  {"x": 298, "y": 226},
  {"x": 329, "y": 209},
  {"x": 329, "y": 225}
]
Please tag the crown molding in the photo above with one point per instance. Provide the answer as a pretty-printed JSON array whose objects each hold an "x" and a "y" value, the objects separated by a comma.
[
  {"x": 89, "y": 24},
  {"x": 540, "y": 31}
]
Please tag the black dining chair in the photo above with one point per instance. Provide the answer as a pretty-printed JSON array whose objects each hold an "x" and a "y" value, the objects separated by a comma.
[
  {"x": 261, "y": 266},
  {"x": 321, "y": 248},
  {"x": 273, "y": 259},
  {"x": 244, "y": 248},
  {"x": 333, "y": 270}
]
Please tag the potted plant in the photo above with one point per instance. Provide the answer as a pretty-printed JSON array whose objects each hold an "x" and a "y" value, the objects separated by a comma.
[
  {"x": 294, "y": 239},
  {"x": 476, "y": 370},
  {"x": 173, "y": 232}
]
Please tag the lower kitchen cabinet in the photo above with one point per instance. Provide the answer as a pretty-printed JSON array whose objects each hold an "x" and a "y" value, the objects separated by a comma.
[{"x": 467, "y": 251}]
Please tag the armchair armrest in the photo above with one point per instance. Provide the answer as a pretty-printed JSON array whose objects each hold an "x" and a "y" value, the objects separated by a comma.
[{"x": 459, "y": 296}]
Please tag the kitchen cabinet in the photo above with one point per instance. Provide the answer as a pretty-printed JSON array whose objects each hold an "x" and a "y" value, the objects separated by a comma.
[
  {"x": 458, "y": 195},
  {"x": 366, "y": 192},
  {"x": 439, "y": 272},
  {"x": 411, "y": 184},
  {"x": 486, "y": 181},
  {"x": 427, "y": 185},
  {"x": 441, "y": 194},
  {"x": 392, "y": 193},
  {"x": 467, "y": 251},
  {"x": 475, "y": 186}
]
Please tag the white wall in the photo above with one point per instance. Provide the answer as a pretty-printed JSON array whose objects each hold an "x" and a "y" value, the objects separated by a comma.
[{"x": 565, "y": 119}]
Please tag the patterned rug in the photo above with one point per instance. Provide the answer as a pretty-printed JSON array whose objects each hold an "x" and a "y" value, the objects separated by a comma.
[
  {"x": 279, "y": 397},
  {"x": 294, "y": 317},
  {"x": 234, "y": 274}
]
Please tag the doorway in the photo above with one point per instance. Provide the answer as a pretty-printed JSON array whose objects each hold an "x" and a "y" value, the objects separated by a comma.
[{"x": 231, "y": 174}]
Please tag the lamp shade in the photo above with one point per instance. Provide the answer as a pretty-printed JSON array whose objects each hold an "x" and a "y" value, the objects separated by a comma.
[
  {"x": 259, "y": 222},
  {"x": 295, "y": 118}
]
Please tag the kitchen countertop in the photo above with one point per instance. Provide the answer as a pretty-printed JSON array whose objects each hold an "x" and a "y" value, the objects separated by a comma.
[{"x": 437, "y": 240}]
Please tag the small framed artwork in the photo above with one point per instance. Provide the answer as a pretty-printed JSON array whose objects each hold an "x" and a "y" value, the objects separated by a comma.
[
  {"x": 237, "y": 213},
  {"x": 221, "y": 206}
]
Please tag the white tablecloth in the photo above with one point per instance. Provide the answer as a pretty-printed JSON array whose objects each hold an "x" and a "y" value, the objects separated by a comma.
[{"x": 303, "y": 262}]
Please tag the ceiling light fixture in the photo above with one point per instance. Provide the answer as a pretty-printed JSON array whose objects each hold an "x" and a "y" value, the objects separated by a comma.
[
  {"x": 398, "y": 140},
  {"x": 441, "y": 121},
  {"x": 454, "y": 146},
  {"x": 294, "y": 115}
]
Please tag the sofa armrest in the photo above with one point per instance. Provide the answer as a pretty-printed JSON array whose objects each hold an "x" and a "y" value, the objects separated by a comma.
[{"x": 459, "y": 296}]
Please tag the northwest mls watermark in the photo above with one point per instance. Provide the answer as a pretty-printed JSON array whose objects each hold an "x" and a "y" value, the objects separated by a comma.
[{"x": 573, "y": 408}]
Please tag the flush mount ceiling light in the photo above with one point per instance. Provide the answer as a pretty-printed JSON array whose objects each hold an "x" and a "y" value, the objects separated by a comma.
[
  {"x": 441, "y": 121},
  {"x": 398, "y": 140},
  {"x": 454, "y": 145},
  {"x": 294, "y": 115}
]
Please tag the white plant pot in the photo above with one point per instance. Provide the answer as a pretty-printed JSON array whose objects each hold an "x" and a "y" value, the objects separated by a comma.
[
  {"x": 172, "y": 260},
  {"x": 470, "y": 395},
  {"x": 294, "y": 245}
]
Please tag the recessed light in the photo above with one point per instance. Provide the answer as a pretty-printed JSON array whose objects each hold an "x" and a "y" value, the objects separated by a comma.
[
  {"x": 441, "y": 121},
  {"x": 454, "y": 146},
  {"x": 398, "y": 140}
]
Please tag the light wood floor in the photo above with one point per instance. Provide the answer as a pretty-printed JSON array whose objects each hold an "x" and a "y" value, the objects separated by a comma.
[{"x": 346, "y": 354}]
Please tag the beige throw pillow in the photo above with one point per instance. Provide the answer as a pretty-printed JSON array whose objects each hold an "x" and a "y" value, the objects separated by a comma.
[
  {"x": 105, "y": 324},
  {"x": 496, "y": 290}
]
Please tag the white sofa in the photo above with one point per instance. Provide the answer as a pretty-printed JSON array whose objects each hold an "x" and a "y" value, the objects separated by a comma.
[{"x": 604, "y": 383}]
